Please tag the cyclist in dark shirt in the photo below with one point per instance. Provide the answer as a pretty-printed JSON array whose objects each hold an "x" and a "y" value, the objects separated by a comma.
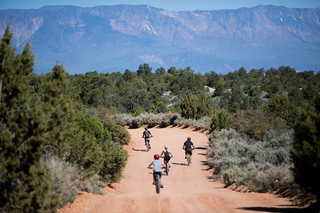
[
  {"x": 146, "y": 135},
  {"x": 188, "y": 147}
]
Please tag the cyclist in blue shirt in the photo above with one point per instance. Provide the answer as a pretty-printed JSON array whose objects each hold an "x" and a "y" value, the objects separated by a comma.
[{"x": 157, "y": 169}]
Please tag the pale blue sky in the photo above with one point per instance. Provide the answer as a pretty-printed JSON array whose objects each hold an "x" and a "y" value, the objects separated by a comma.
[{"x": 171, "y": 5}]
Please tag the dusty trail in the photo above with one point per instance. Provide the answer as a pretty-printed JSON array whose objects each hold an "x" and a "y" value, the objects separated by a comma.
[{"x": 186, "y": 189}]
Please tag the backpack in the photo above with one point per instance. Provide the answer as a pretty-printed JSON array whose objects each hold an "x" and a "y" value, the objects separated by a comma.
[{"x": 147, "y": 134}]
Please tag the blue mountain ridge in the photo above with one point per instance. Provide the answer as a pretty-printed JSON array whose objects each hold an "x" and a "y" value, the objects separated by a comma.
[{"x": 116, "y": 38}]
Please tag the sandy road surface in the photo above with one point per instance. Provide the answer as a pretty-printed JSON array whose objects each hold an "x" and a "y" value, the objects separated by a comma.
[{"x": 186, "y": 188}]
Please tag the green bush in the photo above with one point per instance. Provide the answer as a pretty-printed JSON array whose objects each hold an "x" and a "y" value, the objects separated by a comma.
[
  {"x": 118, "y": 133},
  {"x": 220, "y": 121},
  {"x": 306, "y": 153}
]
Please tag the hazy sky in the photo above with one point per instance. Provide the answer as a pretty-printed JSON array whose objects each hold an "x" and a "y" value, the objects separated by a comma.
[{"x": 171, "y": 5}]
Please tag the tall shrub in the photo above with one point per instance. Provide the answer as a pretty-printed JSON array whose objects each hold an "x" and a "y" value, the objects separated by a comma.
[{"x": 306, "y": 154}]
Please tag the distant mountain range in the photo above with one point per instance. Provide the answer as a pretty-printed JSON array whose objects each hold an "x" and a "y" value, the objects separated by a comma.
[{"x": 116, "y": 38}]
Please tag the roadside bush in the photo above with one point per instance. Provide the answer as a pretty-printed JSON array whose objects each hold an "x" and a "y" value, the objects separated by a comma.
[
  {"x": 180, "y": 121},
  {"x": 203, "y": 123},
  {"x": 92, "y": 185},
  {"x": 235, "y": 175},
  {"x": 271, "y": 179},
  {"x": 168, "y": 119},
  {"x": 261, "y": 165},
  {"x": 137, "y": 122},
  {"x": 65, "y": 180},
  {"x": 154, "y": 120},
  {"x": 118, "y": 133},
  {"x": 126, "y": 118}
]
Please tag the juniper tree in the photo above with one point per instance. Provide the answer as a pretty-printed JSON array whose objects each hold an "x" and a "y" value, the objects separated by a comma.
[
  {"x": 306, "y": 145},
  {"x": 196, "y": 106},
  {"x": 28, "y": 122},
  {"x": 23, "y": 182}
]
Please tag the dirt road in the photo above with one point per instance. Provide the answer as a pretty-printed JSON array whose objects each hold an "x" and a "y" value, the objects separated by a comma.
[{"x": 186, "y": 188}]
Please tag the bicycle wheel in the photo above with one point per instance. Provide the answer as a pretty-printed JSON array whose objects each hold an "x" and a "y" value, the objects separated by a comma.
[
  {"x": 148, "y": 146},
  {"x": 167, "y": 168},
  {"x": 157, "y": 184},
  {"x": 188, "y": 159}
]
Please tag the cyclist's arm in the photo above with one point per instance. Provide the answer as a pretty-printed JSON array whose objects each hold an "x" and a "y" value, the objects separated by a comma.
[
  {"x": 171, "y": 154},
  {"x": 161, "y": 153},
  {"x": 192, "y": 146},
  {"x": 150, "y": 165}
]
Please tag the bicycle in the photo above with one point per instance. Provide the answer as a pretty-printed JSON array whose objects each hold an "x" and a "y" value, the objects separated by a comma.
[
  {"x": 188, "y": 158},
  {"x": 147, "y": 144},
  {"x": 167, "y": 167},
  {"x": 157, "y": 183}
]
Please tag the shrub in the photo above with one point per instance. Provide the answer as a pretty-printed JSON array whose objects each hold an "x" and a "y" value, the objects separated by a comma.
[
  {"x": 235, "y": 175},
  {"x": 154, "y": 120},
  {"x": 92, "y": 185},
  {"x": 118, "y": 133},
  {"x": 126, "y": 118},
  {"x": 168, "y": 119},
  {"x": 306, "y": 153},
  {"x": 65, "y": 180},
  {"x": 220, "y": 121},
  {"x": 203, "y": 123},
  {"x": 137, "y": 122},
  {"x": 261, "y": 165}
]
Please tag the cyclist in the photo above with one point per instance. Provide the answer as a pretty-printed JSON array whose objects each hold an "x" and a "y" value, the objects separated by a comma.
[
  {"x": 167, "y": 155},
  {"x": 146, "y": 135},
  {"x": 157, "y": 169},
  {"x": 188, "y": 147}
]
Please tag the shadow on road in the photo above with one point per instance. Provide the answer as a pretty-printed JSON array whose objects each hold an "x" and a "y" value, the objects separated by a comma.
[
  {"x": 139, "y": 150},
  {"x": 201, "y": 148},
  {"x": 273, "y": 209},
  {"x": 180, "y": 164}
]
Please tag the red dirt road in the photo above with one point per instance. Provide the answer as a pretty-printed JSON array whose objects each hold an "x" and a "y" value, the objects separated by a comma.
[{"x": 186, "y": 188}]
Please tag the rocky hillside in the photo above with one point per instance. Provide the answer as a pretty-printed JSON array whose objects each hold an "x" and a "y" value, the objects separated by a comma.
[{"x": 115, "y": 38}]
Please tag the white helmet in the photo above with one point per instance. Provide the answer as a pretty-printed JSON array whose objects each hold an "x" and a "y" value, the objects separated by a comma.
[{"x": 166, "y": 147}]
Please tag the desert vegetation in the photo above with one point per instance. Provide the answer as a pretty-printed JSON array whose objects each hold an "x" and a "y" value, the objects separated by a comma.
[{"x": 62, "y": 133}]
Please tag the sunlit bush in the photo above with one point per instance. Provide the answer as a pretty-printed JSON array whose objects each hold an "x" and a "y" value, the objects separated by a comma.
[
  {"x": 65, "y": 180},
  {"x": 261, "y": 165}
]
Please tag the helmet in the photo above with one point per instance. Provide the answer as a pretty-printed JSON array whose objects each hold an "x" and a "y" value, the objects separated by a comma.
[
  {"x": 146, "y": 128},
  {"x": 189, "y": 138},
  {"x": 166, "y": 147},
  {"x": 156, "y": 156}
]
